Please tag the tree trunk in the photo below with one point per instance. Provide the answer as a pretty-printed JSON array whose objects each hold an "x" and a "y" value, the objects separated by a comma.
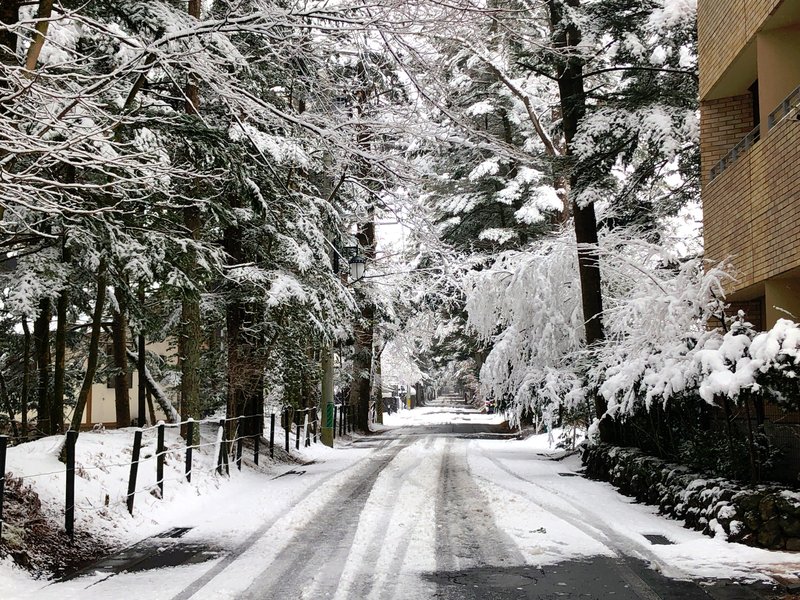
[
  {"x": 26, "y": 375},
  {"x": 57, "y": 402},
  {"x": 7, "y": 405},
  {"x": 361, "y": 387},
  {"x": 377, "y": 386},
  {"x": 245, "y": 396},
  {"x": 9, "y": 16},
  {"x": 726, "y": 405},
  {"x": 364, "y": 334},
  {"x": 245, "y": 370},
  {"x": 752, "y": 450},
  {"x": 569, "y": 74},
  {"x": 35, "y": 49},
  {"x": 190, "y": 339},
  {"x": 140, "y": 369},
  {"x": 153, "y": 388},
  {"x": 189, "y": 348},
  {"x": 119, "y": 329},
  {"x": 150, "y": 408},
  {"x": 41, "y": 334},
  {"x": 62, "y": 305},
  {"x": 94, "y": 348}
]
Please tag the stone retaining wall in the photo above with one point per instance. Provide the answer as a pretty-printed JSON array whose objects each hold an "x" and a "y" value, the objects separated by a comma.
[{"x": 765, "y": 516}]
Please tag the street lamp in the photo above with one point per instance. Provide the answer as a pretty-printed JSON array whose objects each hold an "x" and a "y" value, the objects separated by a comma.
[
  {"x": 356, "y": 262},
  {"x": 357, "y": 265}
]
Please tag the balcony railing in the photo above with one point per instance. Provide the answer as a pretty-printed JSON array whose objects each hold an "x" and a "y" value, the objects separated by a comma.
[
  {"x": 738, "y": 150},
  {"x": 784, "y": 108}
]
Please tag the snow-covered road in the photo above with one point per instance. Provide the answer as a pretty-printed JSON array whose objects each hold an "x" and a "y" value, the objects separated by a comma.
[{"x": 441, "y": 506}]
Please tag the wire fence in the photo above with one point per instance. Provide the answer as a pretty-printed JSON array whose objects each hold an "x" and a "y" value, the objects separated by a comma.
[{"x": 228, "y": 449}]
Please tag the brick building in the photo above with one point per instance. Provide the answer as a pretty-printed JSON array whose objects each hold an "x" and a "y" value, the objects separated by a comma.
[{"x": 749, "y": 58}]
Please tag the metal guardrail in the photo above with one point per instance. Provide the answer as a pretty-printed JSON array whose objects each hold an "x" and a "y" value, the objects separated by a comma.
[
  {"x": 737, "y": 151},
  {"x": 784, "y": 108}
]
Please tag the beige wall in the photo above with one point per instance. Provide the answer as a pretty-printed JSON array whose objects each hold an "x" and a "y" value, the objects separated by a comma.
[
  {"x": 778, "y": 68},
  {"x": 782, "y": 295},
  {"x": 101, "y": 408},
  {"x": 726, "y": 31},
  {"x": 752, "y": 209}
]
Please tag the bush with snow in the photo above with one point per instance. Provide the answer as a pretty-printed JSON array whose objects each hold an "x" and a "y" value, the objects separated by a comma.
[{"x": 661, "y": 340}]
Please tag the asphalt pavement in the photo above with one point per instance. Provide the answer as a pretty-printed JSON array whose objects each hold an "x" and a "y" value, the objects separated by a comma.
[{"x": 371, "y": 541}]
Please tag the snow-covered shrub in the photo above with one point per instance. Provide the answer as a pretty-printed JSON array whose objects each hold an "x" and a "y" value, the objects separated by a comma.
[
  {"x": 654, "y": 327},
  {"x": 664, "y": 346},
  {"x": 527, "y": 306}
]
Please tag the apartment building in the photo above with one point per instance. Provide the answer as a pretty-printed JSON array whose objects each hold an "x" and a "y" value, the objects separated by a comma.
[{"x": 749, "y": 59}]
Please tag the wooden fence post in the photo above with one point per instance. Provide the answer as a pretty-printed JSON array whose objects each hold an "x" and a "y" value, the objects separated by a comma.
[
  {"x": 69, "y": 509},
  {"x": 239, "y": 444},
  {"x": 297, "y": 430},
  {"x": 3, "y": 448},
  {"x": 335, "y": 410},
  {"x": 190, "y": 427},
  {"x": 256, "y": 447},
  {"x": 272, "y": 435},
  {"x": 160, "y": 450},
  {"x": 137, "y": 448},
  {"x": 222, "y": 449},
  {"x": 287, "y": 428}
]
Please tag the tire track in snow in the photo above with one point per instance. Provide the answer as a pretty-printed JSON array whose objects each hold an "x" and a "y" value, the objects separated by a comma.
[
  {"x": 467, "y": 535},
  {"x": 197, "y": 585},
  {"x": 311, "y": 563},
  {"x": 593, "y": 528},
  {"x": 391, "y": 547}
]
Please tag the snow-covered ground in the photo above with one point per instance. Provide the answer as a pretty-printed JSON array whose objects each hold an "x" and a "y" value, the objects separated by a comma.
[
  {"x": 439, "y": 415},
  {"x": 219, "y": 508},
  {"x": 374, "y": 517},
  {"x": 553, "y": 517}
]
